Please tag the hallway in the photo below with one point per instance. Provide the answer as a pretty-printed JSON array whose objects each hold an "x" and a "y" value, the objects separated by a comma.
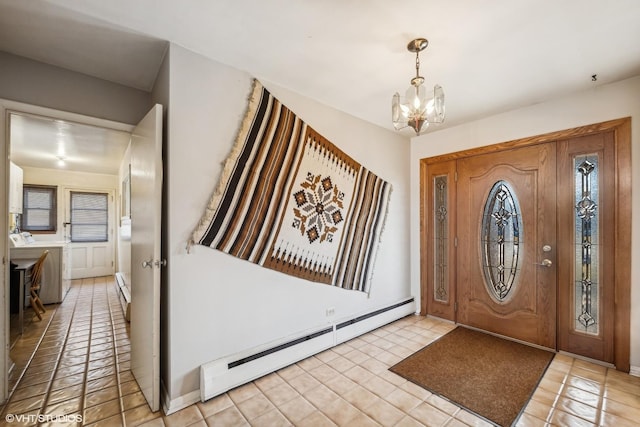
[
  {"x": 80, "y": 370},
  {"x": 80, "y": 375}
]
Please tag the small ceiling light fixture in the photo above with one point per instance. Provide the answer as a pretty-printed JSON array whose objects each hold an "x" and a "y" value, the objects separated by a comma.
[{"x": 417, "y": 109}]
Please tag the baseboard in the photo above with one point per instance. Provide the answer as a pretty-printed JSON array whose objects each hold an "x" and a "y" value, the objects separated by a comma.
[
  {"x": 169, "y": 406},
  {"x": 359, "y": 325},
  {"x": 635, "y": 371},
  {"x": 221, "y": 375}
]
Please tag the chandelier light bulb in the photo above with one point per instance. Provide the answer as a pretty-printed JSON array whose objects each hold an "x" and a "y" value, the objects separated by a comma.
[{"x": 416, "y": 102}]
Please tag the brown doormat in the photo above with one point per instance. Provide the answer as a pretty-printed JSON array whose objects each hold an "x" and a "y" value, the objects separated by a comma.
[{"x": 487, "y": 375}]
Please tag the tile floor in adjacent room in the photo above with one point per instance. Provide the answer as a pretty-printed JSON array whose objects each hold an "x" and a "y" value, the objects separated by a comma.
[{"x": 81, "y": 368}]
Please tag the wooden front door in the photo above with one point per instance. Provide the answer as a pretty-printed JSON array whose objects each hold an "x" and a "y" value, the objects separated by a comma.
[
  {"x": 543, "y": 232},
  {"x": 506, "y": 260}
]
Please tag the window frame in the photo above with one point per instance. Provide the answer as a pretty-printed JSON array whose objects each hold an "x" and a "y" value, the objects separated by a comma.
[{"x": 52, "y": 228}]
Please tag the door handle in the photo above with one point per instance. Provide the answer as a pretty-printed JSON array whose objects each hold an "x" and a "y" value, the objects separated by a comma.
[
  {"x": 545, "y": 263},
  {"x": 158, "y": 263}
]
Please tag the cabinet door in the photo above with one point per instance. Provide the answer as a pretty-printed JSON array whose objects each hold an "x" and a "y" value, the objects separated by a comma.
[
  {"x": 50, "y": 291},
  {"x": 15, "y": 193}
]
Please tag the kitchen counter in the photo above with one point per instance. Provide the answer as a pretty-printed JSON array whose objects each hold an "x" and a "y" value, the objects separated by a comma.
[{"x": 44, "y": 244}]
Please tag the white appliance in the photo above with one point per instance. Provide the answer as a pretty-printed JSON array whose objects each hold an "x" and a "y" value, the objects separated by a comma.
[
  {"x": 21, "y": 239},
  {"x": 57, "y": 266}
]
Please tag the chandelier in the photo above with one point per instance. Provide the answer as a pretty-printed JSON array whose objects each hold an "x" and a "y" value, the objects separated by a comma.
[{"x": 418, "y": 108}]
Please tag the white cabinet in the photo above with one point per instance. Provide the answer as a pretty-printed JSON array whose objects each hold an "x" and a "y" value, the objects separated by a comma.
[{"x": 15, "y": 189}]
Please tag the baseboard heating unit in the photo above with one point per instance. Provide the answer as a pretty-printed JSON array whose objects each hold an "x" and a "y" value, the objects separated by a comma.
[
  {"x": 219, "y": 376},
  {"x": 124, "y": 296}
]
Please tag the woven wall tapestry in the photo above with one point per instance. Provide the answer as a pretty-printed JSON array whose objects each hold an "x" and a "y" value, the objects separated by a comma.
[{"x": 290, "y": 200}]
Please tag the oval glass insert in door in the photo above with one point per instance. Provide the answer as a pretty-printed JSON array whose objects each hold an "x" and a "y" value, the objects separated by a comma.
[{"x": 500, "y": 241}]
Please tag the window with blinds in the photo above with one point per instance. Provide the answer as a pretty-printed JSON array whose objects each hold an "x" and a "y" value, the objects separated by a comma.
[
  {"x": 39, "y": 212},
  {"x": 89, "y": 217}
]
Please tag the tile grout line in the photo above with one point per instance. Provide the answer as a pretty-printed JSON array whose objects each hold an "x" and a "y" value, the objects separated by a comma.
[
  {"x": 116, "y": 360},
  {"x": 24, "y": 370},
  {"x": 340, "y": 397},
  {"x": 561, "y": 394},
  {"x": 302, "y": 396},
  {"x": 86, "y": 365},
  {"x": 57, "y": 363},
  {"x": 599, "y": 410}
]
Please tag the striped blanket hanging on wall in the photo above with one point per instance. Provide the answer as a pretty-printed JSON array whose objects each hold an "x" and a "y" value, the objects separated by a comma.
[{"x": 290, "y": 200}]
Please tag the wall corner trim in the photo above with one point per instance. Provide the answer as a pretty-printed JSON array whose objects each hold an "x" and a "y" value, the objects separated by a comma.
[{"x": 169, "y": 406}]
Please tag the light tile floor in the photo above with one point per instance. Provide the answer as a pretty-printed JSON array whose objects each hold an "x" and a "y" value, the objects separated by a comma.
[{"x": 81, "y": 368}]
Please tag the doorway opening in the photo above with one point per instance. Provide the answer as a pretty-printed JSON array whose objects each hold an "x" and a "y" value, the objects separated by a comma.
[{"x": 57, "y": 154}]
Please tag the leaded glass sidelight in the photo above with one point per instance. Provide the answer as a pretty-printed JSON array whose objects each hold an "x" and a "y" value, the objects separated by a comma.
[
  {"x": 501, "y": 238},
  {"x": 441, "y": 239},
  {"x": 587, "y": 280}
]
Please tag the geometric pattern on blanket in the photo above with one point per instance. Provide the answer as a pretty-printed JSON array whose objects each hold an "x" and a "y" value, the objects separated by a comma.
[{"x": 291, "y": 201}]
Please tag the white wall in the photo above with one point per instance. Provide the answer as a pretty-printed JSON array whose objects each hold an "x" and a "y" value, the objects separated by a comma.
[
  {"x": 123, "y": 237},
  {"x": 220, "y": 305},
  {"x": 599, "y": 104},
  {"x": 68, "y": 180},
  {"x": 36, "y": 83}
]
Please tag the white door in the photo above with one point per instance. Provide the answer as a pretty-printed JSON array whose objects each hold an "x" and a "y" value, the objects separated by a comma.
[
  {"x": 92, "y": 240},
  {"x": 146, "y": 202}
]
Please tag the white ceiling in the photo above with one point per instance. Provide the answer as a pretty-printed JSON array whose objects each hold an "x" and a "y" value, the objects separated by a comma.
[
  {"x": 42, "y": 142},
  {"x": 48, "y": 33},
  {"x": 490, "y": 56}
]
